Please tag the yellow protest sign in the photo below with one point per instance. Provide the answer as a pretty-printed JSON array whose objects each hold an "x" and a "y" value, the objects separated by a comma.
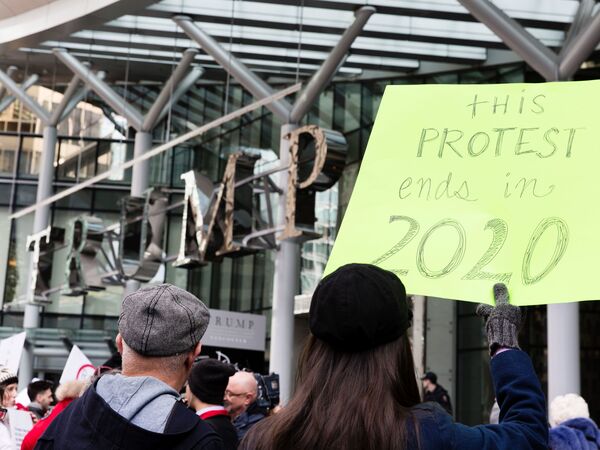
[{"x": 463, "y": 186}]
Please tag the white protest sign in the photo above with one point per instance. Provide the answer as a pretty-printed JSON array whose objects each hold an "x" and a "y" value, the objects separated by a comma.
[
  {"x": 10, "y": 351},
  {"x": 20, "y": 424},
  {"x": 78, "y": 366}
]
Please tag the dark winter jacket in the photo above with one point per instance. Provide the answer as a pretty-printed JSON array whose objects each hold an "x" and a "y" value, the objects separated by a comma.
[
  {"x": 439, "y": 395},
  {"x": 90, "y": 423},
  {"x": 523, "y": 423},
  {"x": 575, "y": 434},
  {"x": 224, "y": 428},
  {"x": 248, "y": 419}
]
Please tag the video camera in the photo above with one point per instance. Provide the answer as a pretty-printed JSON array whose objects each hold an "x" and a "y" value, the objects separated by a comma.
[{"x": 267, "y": 395}]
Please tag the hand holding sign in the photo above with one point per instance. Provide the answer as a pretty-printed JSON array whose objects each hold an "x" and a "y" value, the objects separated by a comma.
[
  {"x": 465, "y": 186},
  {"x": 502, "y": 322}
]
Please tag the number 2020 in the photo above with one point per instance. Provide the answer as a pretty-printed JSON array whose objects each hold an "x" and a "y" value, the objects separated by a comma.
[{"x": 499, "y": 230}]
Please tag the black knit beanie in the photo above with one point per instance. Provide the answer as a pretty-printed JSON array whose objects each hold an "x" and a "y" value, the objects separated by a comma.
[
  {"x": 208, "y": 380},
  {"x": 359, "y": 307}
]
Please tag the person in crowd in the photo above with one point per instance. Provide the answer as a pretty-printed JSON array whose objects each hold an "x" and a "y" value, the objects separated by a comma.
[
  {"x": 204, "y": 393},
  {"x": 572, "y": 428},
  {"x": 160, "y": 328},
  {"x": 40, "y": 394},
  {"x": 8, "y": 399},
  {"x": 356, "y": 385},
  {"x": 65, "y": 394},
  {"x": 435, "y": 392},
  {"x": 240, "y": 402}
]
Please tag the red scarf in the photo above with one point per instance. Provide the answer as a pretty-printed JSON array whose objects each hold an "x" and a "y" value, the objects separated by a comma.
[{"x": 209, "y": 414}]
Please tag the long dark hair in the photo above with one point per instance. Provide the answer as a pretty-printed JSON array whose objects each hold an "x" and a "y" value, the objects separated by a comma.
[{"x": 345, "y": 400}]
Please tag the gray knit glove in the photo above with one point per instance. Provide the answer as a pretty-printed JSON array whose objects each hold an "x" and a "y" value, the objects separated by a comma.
[{"x": 503, "y": 321}]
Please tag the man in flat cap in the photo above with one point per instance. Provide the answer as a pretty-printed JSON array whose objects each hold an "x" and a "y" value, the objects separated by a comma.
[{"x": 160, "y": 328}]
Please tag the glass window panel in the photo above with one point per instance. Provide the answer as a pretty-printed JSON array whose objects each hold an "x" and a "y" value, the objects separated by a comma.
[
  {"x": 60, "y": 321},
  {"x": 80, "y": 200},
  {"x": 224, "y": 288},
  {"x": 183, "y": 157},
  {"x": 242, "y": 282},
  {"x": 200, "y": 282},
  {"x": 76, "y": 159},
  {"x": 160, "y": 169},
  {"x": 109, "y": 324},
  {"x": 109, "y": 199},
  {"x": 5, "y": 193},
  {"x": 18, "y": 259},
  {"x": 174, "y": 275},
  {"x": 12, "y": 320},
  {"x": 26, "y": 195},
  {"x": 9, "y": 146},
  {"x": 107, "y": 302},
  {"x": 29, "y": 158},
  {"x": 111, "y": 155},
  {"x": 61, "y": 303}
]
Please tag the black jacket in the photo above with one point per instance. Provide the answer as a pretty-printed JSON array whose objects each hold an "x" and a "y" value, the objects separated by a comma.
[
  {"x": 90, "y": 423},
  {"x": 248, "y": 419},
  {"x": 439, "y": 395},
  {"x": 224, "y": 428}
]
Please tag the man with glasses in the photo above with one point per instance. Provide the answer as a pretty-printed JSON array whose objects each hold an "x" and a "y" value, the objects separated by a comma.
[{"x": 240, "y": 402}]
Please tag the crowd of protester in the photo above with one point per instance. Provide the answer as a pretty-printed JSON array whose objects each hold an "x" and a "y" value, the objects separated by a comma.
[{"x": 356, "y": 386}]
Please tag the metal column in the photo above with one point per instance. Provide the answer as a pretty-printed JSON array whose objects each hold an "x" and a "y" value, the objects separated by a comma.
[
  {"x": 285, "y": 287},
  {"x": 31, "y": 316},
  {"x": 139, "y": 183},
  {"x": 563, "y": 350}
]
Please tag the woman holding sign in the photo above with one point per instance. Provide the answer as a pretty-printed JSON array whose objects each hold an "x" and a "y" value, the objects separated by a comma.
[
  {"x": 8, "y": 396},
  {"x": 357, "y": 389}
]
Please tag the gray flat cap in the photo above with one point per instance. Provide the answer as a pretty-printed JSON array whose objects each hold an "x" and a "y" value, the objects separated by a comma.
[{"x": 162, "y": 320}]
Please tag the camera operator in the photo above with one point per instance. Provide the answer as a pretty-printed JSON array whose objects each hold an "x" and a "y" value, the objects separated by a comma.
[{"x": 240, "y": 402}]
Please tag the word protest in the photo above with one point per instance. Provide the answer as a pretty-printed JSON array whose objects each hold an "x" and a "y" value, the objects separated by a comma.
[{"x": 462, "y": 187}]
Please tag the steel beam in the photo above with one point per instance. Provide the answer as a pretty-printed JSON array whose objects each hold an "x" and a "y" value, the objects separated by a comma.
[
  {"x": 6, "y": 101},
  {"x": 160, "y": 149},
  {"x": 533, "y": 52},
  {"x": 582, "y": 16},
  {"x": 181, "y": 88},
  {"x": 10, "y": 72},
  {"x": 78, "y": 97},
  {"x": 332, "y": 63},
  {"x": 141, "y": 171},
  {"x": 46, "y": 171},
  {"x": 165, "y": 96},
  {"x": 67, "y": 96},
  {"x": 581, "y": 48},
  {"x": 252, "y": 82},
  {"x": 20, "y": 94},
  {"x": 119, "y": 104}
]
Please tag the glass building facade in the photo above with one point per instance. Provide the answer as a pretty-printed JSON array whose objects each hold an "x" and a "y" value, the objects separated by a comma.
[{"x": 94, "y": 140}]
